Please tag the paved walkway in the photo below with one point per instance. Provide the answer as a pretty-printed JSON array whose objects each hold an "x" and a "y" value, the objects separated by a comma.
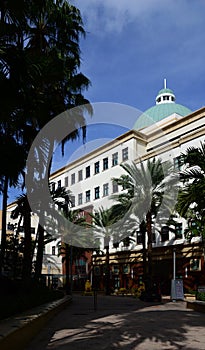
[{"x": 122, "y": 323}]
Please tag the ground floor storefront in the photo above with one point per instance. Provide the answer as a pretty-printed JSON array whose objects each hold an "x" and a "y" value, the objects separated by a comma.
[{"x": 126, "y": 268}]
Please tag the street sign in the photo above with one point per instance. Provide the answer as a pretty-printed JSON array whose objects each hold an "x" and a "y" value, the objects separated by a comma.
[{"x": 177, "y": 290}]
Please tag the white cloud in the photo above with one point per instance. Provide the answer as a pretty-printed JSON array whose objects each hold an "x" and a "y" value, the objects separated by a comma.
[
  {"x": 104, "y": 16},
  {"x": 113, "y": 15}
]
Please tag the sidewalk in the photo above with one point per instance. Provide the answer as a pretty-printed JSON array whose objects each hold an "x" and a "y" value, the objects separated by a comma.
[{"x": 122, "y": 323}]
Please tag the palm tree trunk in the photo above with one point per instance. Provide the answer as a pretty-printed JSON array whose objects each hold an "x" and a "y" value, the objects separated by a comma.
[
  {"x": 149, "y": 244},
  {"x": 3, "y": 228},
  {"x": 15, "y": 252},
  {"x": 107, "y": 271},
  {"x": 144, "y": 253},
  {"x": 27, "y": 259},
  {"x": 39, "y": 255},
  {"x": 68, "y": 267}
]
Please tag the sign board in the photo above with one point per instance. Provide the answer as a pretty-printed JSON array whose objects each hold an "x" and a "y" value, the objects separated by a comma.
[
  {"x": 177, "y": 290},
  {"x": 201, "y": 289}
]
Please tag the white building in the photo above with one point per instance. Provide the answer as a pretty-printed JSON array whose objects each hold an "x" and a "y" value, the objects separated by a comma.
[{"x": 164, "y": 130}]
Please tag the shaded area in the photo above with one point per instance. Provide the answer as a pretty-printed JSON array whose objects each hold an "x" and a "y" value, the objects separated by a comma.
[{"x": 123, "y": 323}]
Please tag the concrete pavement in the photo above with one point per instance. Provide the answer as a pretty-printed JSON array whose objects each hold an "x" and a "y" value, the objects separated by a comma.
[{"x": 122, "y": 323}]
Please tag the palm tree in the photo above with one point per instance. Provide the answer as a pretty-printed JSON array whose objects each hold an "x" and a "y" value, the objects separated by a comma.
[
  {"x": 39, "y": 69},
  {"x": 150, "y": 194},
  {"x": 23, "y": 210},
  {"x": 13, "y": 162},
  {"x": 191, "y": 201},
  {"x": 102, "y": 224},
  {"x": 193, "y": 178}
]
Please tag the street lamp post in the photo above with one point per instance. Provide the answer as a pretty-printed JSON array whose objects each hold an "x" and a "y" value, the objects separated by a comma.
[{"x": 173, "y": 283}]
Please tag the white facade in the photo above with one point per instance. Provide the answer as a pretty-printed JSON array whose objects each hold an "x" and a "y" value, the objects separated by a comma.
[
  {"x": 89, "y": 178},
  {"x": 166, "y": 139}
]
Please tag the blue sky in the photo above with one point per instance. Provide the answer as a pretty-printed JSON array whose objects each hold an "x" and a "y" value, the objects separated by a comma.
[{"x": 132, "y": 45}]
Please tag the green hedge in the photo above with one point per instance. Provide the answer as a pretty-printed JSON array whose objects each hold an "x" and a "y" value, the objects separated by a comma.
[
  {"x": 16, "y": 297},
  {"x": 200, "y": 296}
]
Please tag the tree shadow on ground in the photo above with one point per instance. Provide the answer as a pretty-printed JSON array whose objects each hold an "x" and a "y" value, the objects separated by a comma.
[{"x": 122, "y": 323}]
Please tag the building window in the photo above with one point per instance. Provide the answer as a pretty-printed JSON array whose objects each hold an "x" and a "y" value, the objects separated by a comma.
[
  {"x": 105, "y": 163},
  {"x": 114, "y": 187},
  {"x": 105, "y": 190},
  {"x": 87, "y": 196},
  {"x": 72, "y": 198},
  {"x": 195, "y": 265},
  {"x": 53, "y": 250},
  {"x": 178, "y": 163},
  {"x": 178, "y": 230},
  {"x": 97, "y": 192},
  {"x": 80, "y": 198},
  {"x": 97, "y": 167},
  {"x": 53, "y": 185},
  {"x": 80, "y": 267},
  {"x": 87, "y": 171},
  {"x": 115, "y": 159},
  {"x": 125, "y": 154},
  {"x": 165, "y": 233},
  {"x": 139, "y": 237},
  {"x": 59, "y": 183},
  {"x": 72, "y": 179},
  {"x": 66, "y": 181},
  {"x": 80, "y": 175}
]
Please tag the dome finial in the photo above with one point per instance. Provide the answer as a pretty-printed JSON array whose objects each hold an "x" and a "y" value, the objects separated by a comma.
[
  {"x": 165, "y": 83},
  {"x": 165, "y": 95}
]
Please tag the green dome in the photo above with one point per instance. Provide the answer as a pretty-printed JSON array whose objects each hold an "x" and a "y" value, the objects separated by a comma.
[
  {"x": 165, "y": 91},
  {"x": 159, "y": 112}
]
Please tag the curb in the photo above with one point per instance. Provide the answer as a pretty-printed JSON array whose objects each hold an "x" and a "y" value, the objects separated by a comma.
[
  {"x": 196, "y": 305},
  {"x": 16, "y": 332}
]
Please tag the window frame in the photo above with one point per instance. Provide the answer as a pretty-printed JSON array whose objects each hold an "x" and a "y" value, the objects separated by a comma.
[
  {"x": 97, "y": 192},
  {"x": 105, "y": 163},
  {"x": 125, "y": 154}
]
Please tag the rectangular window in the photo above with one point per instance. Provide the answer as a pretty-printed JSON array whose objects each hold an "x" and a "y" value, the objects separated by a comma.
[
  {"x": 139, "y": 237},
  {"x": 97, "y": 167},
  {"x": 114, "y": 187},
  {"x": 87, "y": 171},
  {"x": 125, "y": 154},
  {"x": 115, "y": 159},
  {"x": 53, "y": 187},
  {"x": 80, "y": 198},
  {"x": 66, "y": 181},
  {"x": 80, "y": 175},
  {"x": 59, "y": 183},
  {"x": 178, "y": 163},
  {"x": 87, "y": 196},
  {"x": 72, "y": 179},
  {"x": 72, "y": 198},
  {"x": 97, "y": 192},
  {"x": 178, "y": 230},
  {"x": 53, "y": 250},
  {"x": 105, "y": 163},
  {"x": 165, "y": 233},
  {"x": 195, "y": 265},
  {"x": 105, "y": 190}
]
